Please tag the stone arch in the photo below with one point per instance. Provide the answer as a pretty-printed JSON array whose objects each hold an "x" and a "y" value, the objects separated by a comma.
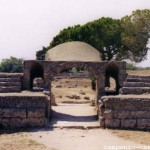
[
  {"x": 112, "y": 70},
  {"x": 90, "y": 67},
  {"x": 36, "y": 71},
  {"x": 93, "y": 69}
]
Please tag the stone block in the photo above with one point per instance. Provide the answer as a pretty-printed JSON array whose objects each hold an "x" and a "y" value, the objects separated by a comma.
[
  {"x": 36, "y": 112},
  {"x": 112, "y": 123},
  {"x": 5, "y": 113},
  {"x": 16, "y": 122},
  {"x": 128, "y": 123},
  {"x": 13, "y": 101},
  {"x": 143, "y": 123},
  {"x": 140, "y": 114},
  {"x": 36, "y": 101},
  {"x": 18, "y": 113},
  {"x": 121, "y": 114},
  {"x": 34, "y": 122},
  {"x": 101, "y": 109},
  {"x": 102, "y": 121},
  {"x": 4, "y": 122},
  {"x": 108, "y": 114}
]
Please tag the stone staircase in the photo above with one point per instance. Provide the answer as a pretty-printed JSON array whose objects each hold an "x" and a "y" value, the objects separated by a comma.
[
  {"x": 10, "y": 82},
  {"x": 136, "y": 85}
]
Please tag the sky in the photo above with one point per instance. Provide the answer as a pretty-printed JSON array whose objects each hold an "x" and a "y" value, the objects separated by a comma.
[{"x": 27, "y": 25}]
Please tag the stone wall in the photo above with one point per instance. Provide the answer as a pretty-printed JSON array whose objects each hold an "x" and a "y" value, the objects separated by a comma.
[
  {"x": 10, "y": 82},
  {"x": 24, "y": 110},
  {"x": 125, "y": 111},
  {"x": 51, "y": 69}
]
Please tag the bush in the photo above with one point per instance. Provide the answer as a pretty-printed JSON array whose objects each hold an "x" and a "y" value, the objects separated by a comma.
[{"x": 11, "y": 65}]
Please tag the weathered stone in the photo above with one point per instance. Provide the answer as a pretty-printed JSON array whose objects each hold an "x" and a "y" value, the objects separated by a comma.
[
  {"x": 140, "y": 114},
  {"x": 135, "y": 90},
  {"x": 112, "y": 123},
  {"x": 101, "y": 109},
  {"x": 121, "y": 114},
  {"x": 34, "y": 122},
  {"x": 16, "y": 122},
  {"x": 5, "y": 122},
  {"x": 108, "y": 113},
  {"x": 136, "y": 84},
  {"x": 36, "y": 112},
  {"x": 36, "y": 102},
  {"x": 143, "y": 123},
  {"x": 18, "y": 113},
  {"x": 38, "y": 83},
  {"x": 102, "y": 121},
  {"x": 5, "y": 113},
  {"x": 128, "y": 123},
  {"x": 13, "y": 101}
]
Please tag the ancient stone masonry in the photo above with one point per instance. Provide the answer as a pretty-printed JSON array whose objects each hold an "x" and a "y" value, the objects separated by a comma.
[
  {"x": 131, "y": 112},
  {"x": 51, "y": 69},
  {"x": 24, "y": 110},
  {"x": 136, "y": 85},
  {"x": 10, "y": 82},
  {"x": 33, "y": 109}
]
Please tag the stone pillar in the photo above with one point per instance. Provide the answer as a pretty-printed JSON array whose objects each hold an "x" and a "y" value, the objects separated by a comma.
[{"x": 26, "y": 76}]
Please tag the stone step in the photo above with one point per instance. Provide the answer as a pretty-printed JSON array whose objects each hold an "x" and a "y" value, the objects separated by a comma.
[
  {"x": 11, "y": 75},
  {"x": 10, "y": 79},
  {"x": 135, "y": 90},
  {"x": 136, "y": 84},
  {"x": 138, "y": 79},
  {"x": 141, "y": 77},
  {"x": 10, "y": 83},
  {"x": 8, "y": 89}
]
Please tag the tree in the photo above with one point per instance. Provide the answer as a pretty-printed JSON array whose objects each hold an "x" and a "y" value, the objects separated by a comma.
[
  {"x": 126, "y": 38},
  {"x": 12, "y": 65},
  {"x": 136, "y": 35},
  {"x": 104, "y": 34},
  {"x": 40, "y": 55}
]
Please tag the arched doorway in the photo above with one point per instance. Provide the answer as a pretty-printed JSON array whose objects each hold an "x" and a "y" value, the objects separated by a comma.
[
  {"x": 74, "y": 83},
  {"x": 36, "y": 71},
  {"x": 112, "y": 79}
]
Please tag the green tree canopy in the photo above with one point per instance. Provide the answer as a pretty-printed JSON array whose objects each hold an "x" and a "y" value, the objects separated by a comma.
[
  {"x": 136, "y": 35},
  {"x": 126, "y": 38},
  {"x": 12, "y": 64}
]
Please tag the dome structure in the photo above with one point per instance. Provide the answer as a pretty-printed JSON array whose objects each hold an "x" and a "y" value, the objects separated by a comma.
[{"x": 73, "y": 51}]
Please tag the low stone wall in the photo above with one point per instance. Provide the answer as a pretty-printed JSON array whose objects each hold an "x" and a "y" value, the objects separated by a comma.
[
  {"x": 131, "y": 112},
  {"x": 24, "y": 110}
]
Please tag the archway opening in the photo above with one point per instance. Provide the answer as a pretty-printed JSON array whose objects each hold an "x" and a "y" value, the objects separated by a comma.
[
  {"x": 74, "y": 85},
  {"x": 36, "y": 75},
  {"x": 112, "y": 85},
  {"x": 73, "y": 96}
]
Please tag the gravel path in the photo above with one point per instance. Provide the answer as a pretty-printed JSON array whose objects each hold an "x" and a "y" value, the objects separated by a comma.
[{"x": 68, "y": 130}]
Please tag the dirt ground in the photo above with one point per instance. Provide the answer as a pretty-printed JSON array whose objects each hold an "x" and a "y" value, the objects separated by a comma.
[{"x": 76, "y": 92}]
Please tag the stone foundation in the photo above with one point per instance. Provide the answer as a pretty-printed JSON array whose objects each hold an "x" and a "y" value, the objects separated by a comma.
[
  {"x": 130, "y": 112},
  {"x": 24, "y": 110}
]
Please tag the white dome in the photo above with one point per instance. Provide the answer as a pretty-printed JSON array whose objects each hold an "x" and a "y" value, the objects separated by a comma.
[{"x": 73, "y": 51}]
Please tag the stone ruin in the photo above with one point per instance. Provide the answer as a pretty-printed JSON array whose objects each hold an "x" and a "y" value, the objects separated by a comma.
[{"x": 116, "y": 109}]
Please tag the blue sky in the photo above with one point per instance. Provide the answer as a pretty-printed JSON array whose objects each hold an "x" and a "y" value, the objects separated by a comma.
[{"x": 27, "y": 25}]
